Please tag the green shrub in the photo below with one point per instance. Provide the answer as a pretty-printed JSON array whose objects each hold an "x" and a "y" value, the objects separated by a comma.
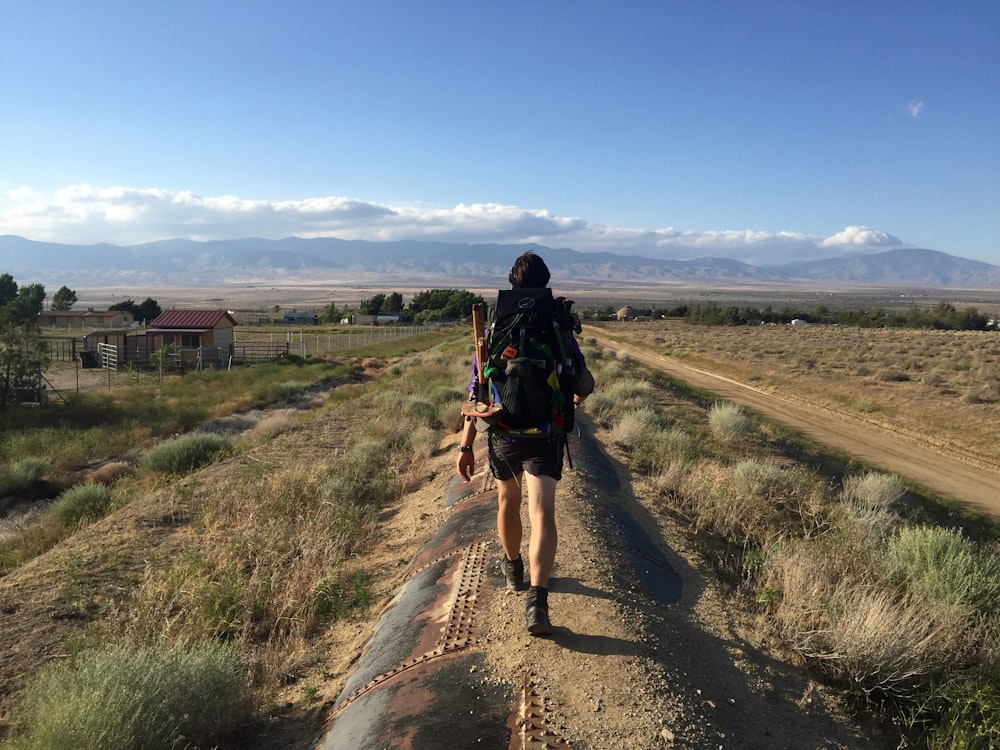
[
  {"x": 755, "y": 499},
  {"x": 423, "y": 412},
  {"x": 366, "y": 459},
  {"x": 871, "y": 493},
  {"x": 632, "y": 426},
  {"x": 22, "y": 474},
  {"x": 624, "y": 394},
  {"x": 340, "y": 597},
  {"x": 185, "y": 453},
  {"x": 82, "y": 502},
  {"x": 445, "y": 394},
  {"x": 945, "y": 569},
  {"x": 961, "y": 713},
  {"x": 136, "y": 699},
  {"x": 658, "y": 448},
  {"x": 866, "y": 509},
  {"x": 290, "y": 391},
  {"x": 728, "y": 422},
  {"x": 423, "y": 442}
]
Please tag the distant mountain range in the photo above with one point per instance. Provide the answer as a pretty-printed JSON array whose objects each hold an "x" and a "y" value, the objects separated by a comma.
[{"x": 250, "y": 260}]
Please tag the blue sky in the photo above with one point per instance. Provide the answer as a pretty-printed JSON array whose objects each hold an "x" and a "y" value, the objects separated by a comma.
[{"x": 672, "y": 129}]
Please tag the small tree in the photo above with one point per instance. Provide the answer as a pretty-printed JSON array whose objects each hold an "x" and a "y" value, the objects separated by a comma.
[
  {"x": 23, "y": 356},
  {"x": 127, "y": 305},
  {"x": 64, "y": 299},
  {"x": 30, "y": 301},
  {"x": 373, "y": 305},
  {"x": 148, "y": 310},
  {"x": 8, "y": 289},
  {"x": 394, "y": 303},
  {"x": 331, "y": 314},
  {"x": 162, "y": 359}
]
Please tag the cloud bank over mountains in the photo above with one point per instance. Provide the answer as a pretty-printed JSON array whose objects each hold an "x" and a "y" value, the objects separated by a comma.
[{"x": 84, "y": 214}]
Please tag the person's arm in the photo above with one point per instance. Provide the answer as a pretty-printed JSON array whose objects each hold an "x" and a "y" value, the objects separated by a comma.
[
  {"x": 584, "y": 384},
  {"x": 466, "y": 464}
]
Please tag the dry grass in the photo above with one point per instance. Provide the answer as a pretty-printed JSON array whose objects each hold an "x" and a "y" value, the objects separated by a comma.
[
  {"x": 886, "y": 609},
  {"x": 860, "y": 632},
  {"x": 266, "y": 548},
  {"x": 942, "y": 384}
]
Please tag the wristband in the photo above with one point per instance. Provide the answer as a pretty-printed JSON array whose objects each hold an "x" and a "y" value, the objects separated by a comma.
[{"x": 465, "y": 449}]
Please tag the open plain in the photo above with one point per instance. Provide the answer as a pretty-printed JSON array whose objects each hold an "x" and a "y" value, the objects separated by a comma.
[{"x": 619, "y": 672}]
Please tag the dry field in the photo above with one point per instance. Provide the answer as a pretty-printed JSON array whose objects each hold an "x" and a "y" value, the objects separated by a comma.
[
  {"x": 691, "y": 675},
  {"x": 942, "y": 385}
]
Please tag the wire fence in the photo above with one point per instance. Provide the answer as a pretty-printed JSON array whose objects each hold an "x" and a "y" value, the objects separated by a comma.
[
  {"x": 304, "y": 343},
  {"x": 65, "y": 348},
  {"x": 261, "y": 345}
]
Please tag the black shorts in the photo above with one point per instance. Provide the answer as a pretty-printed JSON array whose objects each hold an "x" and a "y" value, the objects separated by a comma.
[{"x": 509, "y": 458}]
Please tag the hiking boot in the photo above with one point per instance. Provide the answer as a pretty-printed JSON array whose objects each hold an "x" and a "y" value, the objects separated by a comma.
[
  {"x": 537, "y": 611},
  {"x": 538, "y": 620},
  {"x": 513, "y": 571}
]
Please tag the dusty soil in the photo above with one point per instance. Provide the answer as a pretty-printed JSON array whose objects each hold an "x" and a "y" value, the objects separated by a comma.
[
  {"x": 950, "y": 470},
  {"x": 620, "y": 671}
]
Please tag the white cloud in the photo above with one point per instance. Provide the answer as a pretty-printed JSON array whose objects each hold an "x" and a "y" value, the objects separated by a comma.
[
  {"x": 84, "y": 214},
  {"x": 914, "y": 108},
  {"x": 861, "y": 237}
]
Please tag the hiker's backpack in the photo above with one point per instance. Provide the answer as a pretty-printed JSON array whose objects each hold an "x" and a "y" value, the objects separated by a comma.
[{"x": 530, "y": 367}]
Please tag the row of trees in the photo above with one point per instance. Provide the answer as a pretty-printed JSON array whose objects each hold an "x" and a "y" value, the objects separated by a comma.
[
  {"x": 148, "y": 309},
  {"x": 943, "y": 316},
  {"x": 29, "y": 300},
  {"x": 426, "y": 307}
]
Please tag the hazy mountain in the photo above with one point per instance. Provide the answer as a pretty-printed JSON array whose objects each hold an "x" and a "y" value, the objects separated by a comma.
[{"x": 186, "y": 262}]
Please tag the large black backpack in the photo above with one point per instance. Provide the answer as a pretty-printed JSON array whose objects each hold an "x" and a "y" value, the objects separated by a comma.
[{"x": 529, "y": 365}]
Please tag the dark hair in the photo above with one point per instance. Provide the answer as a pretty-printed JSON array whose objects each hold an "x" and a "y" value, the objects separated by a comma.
[{"x": 529, "y": 272}]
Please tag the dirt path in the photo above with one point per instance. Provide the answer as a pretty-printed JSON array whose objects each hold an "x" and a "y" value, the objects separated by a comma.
[
  {"x": 914, "y": 457},
  {"x": 628, "y": 667}
]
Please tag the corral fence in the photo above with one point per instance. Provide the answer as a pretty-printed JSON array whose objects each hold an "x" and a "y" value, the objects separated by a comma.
[
  {"x": 248, "y": 347},
  {"x": 124, "y": 362},
  {"x": 305, "y": 343},
  {"x": 64, "y": 348}
]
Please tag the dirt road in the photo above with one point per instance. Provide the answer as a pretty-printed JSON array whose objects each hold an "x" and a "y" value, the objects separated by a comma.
[{"x": 914, "y": 457}]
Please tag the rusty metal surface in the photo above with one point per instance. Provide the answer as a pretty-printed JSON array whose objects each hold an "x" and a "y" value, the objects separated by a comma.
[
  {"x": 412, "y": 688},
  {"x": 532, "y": 732}
]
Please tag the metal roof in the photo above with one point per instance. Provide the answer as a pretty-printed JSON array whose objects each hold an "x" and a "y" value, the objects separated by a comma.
[
  {"x": 202, "y": 319},
  {"x": 160, "y": 331}
]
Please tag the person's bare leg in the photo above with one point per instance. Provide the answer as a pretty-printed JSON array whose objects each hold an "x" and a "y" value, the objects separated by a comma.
[
  {"x": 544, "y": 537},
  {"x": 509, "y": 517}
]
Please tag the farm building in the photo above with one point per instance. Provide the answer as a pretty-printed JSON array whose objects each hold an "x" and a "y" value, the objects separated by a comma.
[
  {"x": 189, "y": 339},
  {"x": 84, "y": 319},
  {"x": 299, "y": 319},
  {"x": 199, "y": 337}
]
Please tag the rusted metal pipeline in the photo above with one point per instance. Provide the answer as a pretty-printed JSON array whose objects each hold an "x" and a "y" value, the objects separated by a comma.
[{"x": 411, "y": 686}]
